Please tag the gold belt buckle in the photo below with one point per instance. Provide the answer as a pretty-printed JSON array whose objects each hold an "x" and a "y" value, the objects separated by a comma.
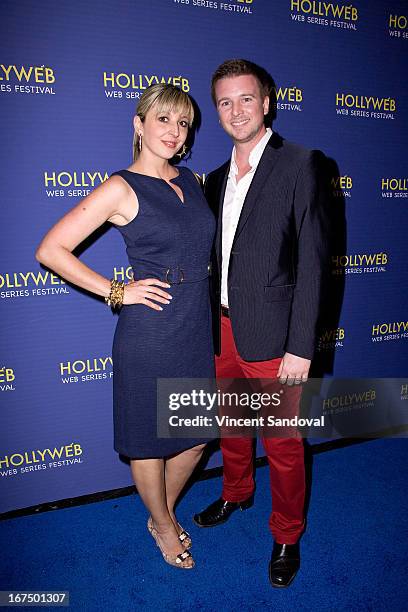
[{"x": 179, "y": 280}]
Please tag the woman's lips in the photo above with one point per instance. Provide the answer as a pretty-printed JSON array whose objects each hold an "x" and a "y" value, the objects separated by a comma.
[{"x": 170, "y": 144}]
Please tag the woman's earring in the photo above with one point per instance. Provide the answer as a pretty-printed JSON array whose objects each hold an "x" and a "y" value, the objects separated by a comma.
[
  {"x": 182, "y": 152},
  {"x": 139, "y": 142}
]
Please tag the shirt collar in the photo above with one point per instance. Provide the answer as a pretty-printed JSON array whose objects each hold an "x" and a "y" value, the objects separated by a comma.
[{"x": 254, "y": 156}]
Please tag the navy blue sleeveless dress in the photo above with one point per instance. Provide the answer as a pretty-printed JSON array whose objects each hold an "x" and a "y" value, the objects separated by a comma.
[{"x": 171, "y": 241}]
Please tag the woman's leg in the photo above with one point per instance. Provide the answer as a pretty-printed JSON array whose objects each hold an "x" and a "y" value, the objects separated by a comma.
[
  {"x": 148, "y": 475},
  {"x": 178, "y": 470}
]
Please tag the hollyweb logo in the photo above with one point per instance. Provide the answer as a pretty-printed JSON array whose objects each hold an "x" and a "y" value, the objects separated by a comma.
[
  {"x": 122, "y": 85},
  {"x": 237, "y": 7},
  {"x": 342, "y": 186},
  {"x": 289, "y": 98},
  {"x": 123, "y": 274},
  {"x": 349, "y": 401},
  {"x": 27, "y": 79},
  {"x": 7, "y": 379},
  {"x": 72, "y": 184},
  {"x": 365, "y": 107},
  {"x": 395, "y": 330},
  {"x": 331, "y": 339},
  {"x": 30, "y": 284},
  {"x": 398, "y": 26},
  {"x": 326, "y": 14},
  {"x": 86, "y": 370},
  {"x": 394, "y": 187},
  {"x": 360, "y": 263},
  {"x": 23, "y": 462}
]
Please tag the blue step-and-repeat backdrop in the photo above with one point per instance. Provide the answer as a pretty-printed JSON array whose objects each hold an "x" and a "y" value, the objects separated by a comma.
[{"x": 71, "y": 74}]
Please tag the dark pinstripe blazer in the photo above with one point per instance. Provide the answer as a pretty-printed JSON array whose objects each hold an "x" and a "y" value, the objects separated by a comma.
[{"x": 278, "y": 255}]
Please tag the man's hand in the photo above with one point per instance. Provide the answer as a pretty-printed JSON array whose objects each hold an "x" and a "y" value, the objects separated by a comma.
[{"x": 293, "y": 369}]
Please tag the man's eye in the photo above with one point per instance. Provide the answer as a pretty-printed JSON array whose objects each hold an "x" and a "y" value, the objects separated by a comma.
[
  {"x": 224, "y": 103},
  {"x": 248, "y": 99}
]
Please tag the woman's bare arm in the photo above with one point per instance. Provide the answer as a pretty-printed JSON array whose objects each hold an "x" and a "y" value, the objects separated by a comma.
[
  {"x": 113, "y": 201},
  {"x": 55, "y": 251}
]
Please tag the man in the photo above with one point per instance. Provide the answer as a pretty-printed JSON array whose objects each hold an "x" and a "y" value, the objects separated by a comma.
[{"x": 269, "y": 256}]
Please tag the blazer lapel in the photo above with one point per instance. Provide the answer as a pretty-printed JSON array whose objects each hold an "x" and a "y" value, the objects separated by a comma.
[{"x": 268, "y": 160}]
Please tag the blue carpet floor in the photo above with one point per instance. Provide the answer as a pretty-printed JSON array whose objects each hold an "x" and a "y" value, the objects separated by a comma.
[{"x": 354, "y": 552}]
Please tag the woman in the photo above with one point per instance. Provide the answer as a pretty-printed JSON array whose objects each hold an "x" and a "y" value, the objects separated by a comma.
[{"x": 163, "y": 330}]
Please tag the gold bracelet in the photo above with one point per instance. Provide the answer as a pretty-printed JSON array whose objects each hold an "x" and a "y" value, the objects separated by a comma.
[{"x": 115, "y": 297}]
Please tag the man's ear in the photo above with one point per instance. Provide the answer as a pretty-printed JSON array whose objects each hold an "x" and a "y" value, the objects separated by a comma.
[{"x": 265, "y": 105}]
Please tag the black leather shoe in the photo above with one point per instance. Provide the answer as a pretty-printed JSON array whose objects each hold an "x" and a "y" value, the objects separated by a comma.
[
  {"x": 220, "y": 511},
  {"x": 284, "y": 564}
]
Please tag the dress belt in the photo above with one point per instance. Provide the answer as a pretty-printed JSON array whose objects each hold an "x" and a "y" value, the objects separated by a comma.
[{"x": 174, "y": 275}]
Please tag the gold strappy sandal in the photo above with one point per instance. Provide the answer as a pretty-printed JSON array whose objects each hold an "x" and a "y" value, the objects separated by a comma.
[
  {"x": 185, "y": 538},
  {"x": 176, "y": 560}
]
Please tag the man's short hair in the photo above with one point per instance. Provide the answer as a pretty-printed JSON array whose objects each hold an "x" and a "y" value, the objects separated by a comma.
[{"x": 239, "y": 67}]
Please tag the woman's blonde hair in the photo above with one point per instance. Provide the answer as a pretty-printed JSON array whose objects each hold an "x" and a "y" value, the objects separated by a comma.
[{"x": 165, "y": 98}]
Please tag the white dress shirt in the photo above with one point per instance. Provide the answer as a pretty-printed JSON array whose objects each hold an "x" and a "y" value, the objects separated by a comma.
[{"x": 235, "y": 194}]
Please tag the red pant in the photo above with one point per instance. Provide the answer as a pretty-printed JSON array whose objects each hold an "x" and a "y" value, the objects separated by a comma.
[{"x": 285, "y": 455}]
